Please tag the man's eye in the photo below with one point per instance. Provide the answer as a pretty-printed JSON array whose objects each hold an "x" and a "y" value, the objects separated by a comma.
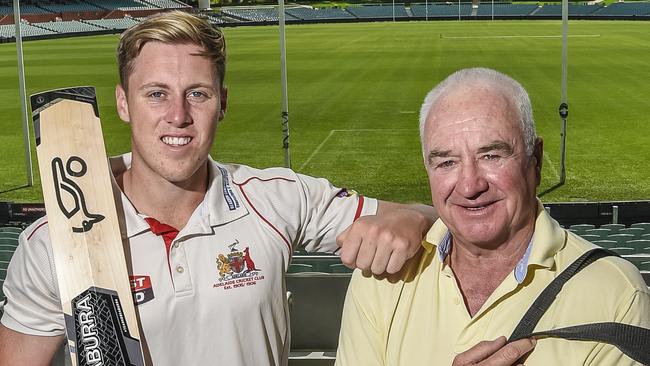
[
  {"x": 156, "y": 95},
  {"x": 445, "y": 164},
  {"x": 197, "y": 95},
  {"x": 491, "y": 157}
]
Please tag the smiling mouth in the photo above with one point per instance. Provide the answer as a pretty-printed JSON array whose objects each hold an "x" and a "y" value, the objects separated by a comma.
[
  {"x": 176, "y": 141},
  {"x": 478, "y": 207}
]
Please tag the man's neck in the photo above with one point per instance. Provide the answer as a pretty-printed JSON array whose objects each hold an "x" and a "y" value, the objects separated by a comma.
[
  {"x": 167, "y": 202},
  {"x": 480, "y": 271}
]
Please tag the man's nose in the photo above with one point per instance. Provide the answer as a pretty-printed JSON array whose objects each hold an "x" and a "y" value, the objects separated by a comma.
[
  {"x": 178, "y": 113},
  {"x": 471, "y": 182}
]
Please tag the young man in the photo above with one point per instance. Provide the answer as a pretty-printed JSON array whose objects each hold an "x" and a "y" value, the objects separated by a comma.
[
  {"x": 184, "y": 213},
  {"x": 492, "y": 252}
]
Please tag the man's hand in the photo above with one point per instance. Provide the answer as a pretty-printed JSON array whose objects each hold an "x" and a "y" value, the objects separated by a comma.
[
  {"x": 385, "y": 241},
  {"x": 495, "y": 353}
]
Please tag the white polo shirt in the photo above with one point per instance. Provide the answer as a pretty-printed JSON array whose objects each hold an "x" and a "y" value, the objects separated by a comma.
[{"x": 218, "y": 297}]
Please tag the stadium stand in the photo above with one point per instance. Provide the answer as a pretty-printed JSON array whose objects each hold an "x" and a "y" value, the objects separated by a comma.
[
  {"x": 574, "y": 10},
  {"x": 125, "y": 5},
  {"x": 441, "y": 10},
  {"x": 319, "y": 14},
  {"x": 220, "y": 20},
  {"x": 27, "y": 30},
  {"x": 24, "y": 9},
  {"x": 254, "y": 15},
  {"x": 117, "y": 24},
  {"x": 167, "y": 4},
  {"x": 485, "y": 9},
  {"x": 624, "y": 9},
  {"x": 8, "y": 244},
  {"x": 72, "y": 26},
  {"x": 68, "y": 6},
  {"x": 377, "y": 11}
]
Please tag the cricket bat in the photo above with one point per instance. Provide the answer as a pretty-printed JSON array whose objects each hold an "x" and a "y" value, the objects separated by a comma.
[{"x": 101, "y": 325}]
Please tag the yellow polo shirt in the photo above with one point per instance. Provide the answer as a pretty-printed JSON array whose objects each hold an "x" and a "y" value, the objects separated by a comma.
[{"x": 418, "y": 317}]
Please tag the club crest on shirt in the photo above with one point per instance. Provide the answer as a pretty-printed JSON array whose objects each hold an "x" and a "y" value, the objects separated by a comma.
[
  {"x": 141, "y": 289},
  {"x": 236, "y": 268}
]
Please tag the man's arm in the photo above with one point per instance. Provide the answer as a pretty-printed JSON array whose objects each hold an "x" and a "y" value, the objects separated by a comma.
[
  {"x": 18, "y": 349},
  {"x": 385, "y": 241}
]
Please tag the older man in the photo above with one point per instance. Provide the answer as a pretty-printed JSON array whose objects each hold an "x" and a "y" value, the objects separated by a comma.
[{"x": 492, "y": 252}]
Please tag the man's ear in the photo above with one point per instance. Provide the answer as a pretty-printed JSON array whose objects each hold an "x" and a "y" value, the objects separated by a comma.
[
  {"x": 224, "y": 102},
  {"x": 538, "y": 152},
  {"x": 122, "y": 103}
]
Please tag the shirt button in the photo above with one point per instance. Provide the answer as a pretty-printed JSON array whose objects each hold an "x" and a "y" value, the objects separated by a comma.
[
  {"x": 180, "y": 269},
  {"x": 456, "y": 300},
  {"x": 175, "y": 246}
]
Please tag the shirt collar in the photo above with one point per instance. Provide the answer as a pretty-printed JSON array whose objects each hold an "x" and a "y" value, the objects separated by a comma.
[
  {"x": 548, "y": 235},
  {"x": 221, "y": 205},
  {"x": 520, "y": 271}
]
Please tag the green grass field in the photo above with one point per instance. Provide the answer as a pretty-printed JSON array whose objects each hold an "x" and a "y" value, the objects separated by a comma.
[{"x": 354, "y": 93}]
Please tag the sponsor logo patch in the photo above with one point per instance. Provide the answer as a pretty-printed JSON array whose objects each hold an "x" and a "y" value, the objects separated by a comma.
[
  {"x": 141, "y": 289},
  {"x": 344, "y": 192},
  {"x": 228, "y": 194},
  {"x": 236, "y": 268}
]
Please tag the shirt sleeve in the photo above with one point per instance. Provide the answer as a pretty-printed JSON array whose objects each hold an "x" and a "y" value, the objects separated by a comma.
[
  {"x": 327, "y": 211},
  {"x": 33, "y": 306},
  {"x": 360, "y": 340},
  {"x": 635, "y": 310}
]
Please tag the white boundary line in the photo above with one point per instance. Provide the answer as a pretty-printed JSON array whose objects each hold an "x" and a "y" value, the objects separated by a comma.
[
  {"x": 320, "y": 146},
  {"x": 550, "y": 163},
  {"x": 515, "y": 36}
]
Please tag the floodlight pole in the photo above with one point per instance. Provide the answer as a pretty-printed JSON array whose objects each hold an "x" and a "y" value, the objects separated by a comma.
[
  {"x": 492, "y": 9},
  {"x": 426, "y": 10},
  {"x": 564, "y": 105},
  {"x": 459, "y": 10},
  {"x": 393, "y": 10},
  {"x": 23, "y": 94},
  {"x": 285, "y": 95}
]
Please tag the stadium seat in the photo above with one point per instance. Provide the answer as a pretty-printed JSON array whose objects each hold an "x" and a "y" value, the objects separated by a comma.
[
  {"x": 581, "y": 228},
  {"x": 339, "y": 268},
  {"x": 324, "y": 264},
  {"x": 621, "y": 238},
  {"x": 604, "y": 243},
  {"x": 643, "y": 225},
  {"x": 641, "y": 245},
  {"x": 613, "y": 227},
  {"x": 600, "y": 232},
  {"x": 10, "y": 229},
  {"x": 636, "y": 231},
  {"x": 9, "y": 241},
  {"x": 623, "y": 250},
  {"x": 300, "y": 267},
  {"x": 6, "y": 253},
  {"x": 9, "y": 234}
]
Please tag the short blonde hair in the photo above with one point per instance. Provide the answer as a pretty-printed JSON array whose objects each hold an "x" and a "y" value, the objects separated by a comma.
[{"x": 174, "y": 27}]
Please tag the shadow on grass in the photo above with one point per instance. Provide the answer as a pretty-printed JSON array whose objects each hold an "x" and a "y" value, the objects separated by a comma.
[
  {"x": 550, "y": 189},
  {"x": 14, "y": 189}
]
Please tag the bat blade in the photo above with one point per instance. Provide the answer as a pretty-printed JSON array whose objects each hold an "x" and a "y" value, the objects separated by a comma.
[{"x": 101, "y": 324}]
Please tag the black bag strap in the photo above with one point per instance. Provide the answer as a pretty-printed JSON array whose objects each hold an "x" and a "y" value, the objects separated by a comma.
[{"x": 631, "y": 340}]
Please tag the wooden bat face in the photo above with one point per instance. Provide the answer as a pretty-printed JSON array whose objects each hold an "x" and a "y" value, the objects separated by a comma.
[{"x": 101, "y": 325}]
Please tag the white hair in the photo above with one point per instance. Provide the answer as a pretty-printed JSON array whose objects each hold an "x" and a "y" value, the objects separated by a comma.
[{"x": 512, "y": 88}]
